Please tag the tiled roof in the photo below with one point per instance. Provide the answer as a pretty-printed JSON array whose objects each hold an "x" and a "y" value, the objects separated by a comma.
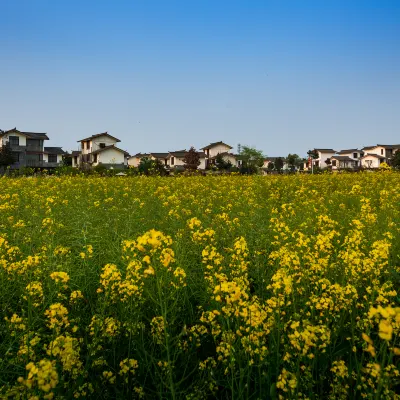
[
  {"x": 98, "y": 135},
  {"x": 159, "y": 155},
  {"x": 374, "y": 155},
  {"x": 389, "y": 146},
  {"x": 178, "y": 153},
  {"x": 326, "y": 150},
  {"x": 54, "y": 150},
  {"x": 76, "y": 153},
  {"x": 141, "y": 155},
  {"x": 109, "y": 147},
  {"x": 349, "y": 151},
  {"x": 342, "y": 158},
  {"x": 215, "y": 144},
  {"x": 30, "y": 135}
]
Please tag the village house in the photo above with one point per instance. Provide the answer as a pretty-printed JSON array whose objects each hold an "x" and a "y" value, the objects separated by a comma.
[
  {"x": 347, "y": 159},
  {"x": 322, "y": 161},
  {"x": 374, "y": 156},
  {"x": 134, "y": 160},
  {"x": 100, "y": 149},
  {"x": 175, "y": 159},
  {"x": 269, "y": 164},
  {"x": 212, "y": 150},
  {"x": 29, "y": 151},
  {"x": 162, "y": 157}
]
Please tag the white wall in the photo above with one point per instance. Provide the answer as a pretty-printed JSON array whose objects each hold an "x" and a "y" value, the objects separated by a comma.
[
  {"x": 219, "y": 148},
  {"x": 379, "y": 150},
  {"x": 22, "y": 138},
  {"x": 375, "y": 162},
  {"x": 110, "y": 156},
  {"x": 94, "y": 144},
  {"x": 322, "y": 156}
]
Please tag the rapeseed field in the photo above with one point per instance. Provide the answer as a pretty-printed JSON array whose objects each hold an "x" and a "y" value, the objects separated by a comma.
[{"x": 229, "y": 287}]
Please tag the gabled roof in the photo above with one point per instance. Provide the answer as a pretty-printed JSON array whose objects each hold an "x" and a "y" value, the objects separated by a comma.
[
  {"x": 98, "y": 135},
  {"x": 349, "y": 151},
  {"x": 108, "y": 148},
  {"x": 215, "y": 144},
  {"x": 369, "y": 147},
  {"x": 141, "y": 155},
  {"x": 159, "y": 155},
  {"x": 76, "y": 153},
  {"x": 389, "y": 146},
  {"x": 54, "y": 150},
  {"x": 29, "y": 135},
  {"x": 325, "y": 150},
  {"x": 373, "y": 155},
  {"x": 177, "y": 153},
  {"x": 182, "y": 154},
  {"x": 342, "y": 158}
]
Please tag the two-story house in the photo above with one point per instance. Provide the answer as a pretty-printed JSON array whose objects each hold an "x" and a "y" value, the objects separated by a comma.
[
  {"x": 375, "y": 155},
  {"x": 29, "y": 151},
  {"x": 213, "y": 149},
  {"x": 100, "y": 149},
  {"x": 346, "y": 159},
  {"x": 324, "y": 156}
]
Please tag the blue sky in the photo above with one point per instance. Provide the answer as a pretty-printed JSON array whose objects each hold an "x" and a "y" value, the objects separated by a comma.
[{"x": 281, "y": 75}]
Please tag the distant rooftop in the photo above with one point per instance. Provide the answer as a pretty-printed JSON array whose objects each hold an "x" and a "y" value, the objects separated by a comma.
[
  {"x": 98, "y": 135},
  {"x": 215, "y": 144},
  {"x": 29, "y": 135}
]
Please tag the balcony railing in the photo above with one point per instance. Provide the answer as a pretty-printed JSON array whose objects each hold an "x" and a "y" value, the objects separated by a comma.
[
  {"x": 34, "y": 148},
  {"x": 41, "y": 164},
  {"x": 15, "y": 147}
]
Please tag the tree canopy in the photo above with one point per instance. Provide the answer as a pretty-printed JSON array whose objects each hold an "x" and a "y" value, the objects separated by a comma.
[
  {"x": 6, "y": 156},
  {"x": 191, "y": 160},
  {"x": 252, "y": 159}
]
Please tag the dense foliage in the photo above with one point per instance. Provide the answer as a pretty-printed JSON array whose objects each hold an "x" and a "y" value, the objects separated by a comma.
[{"x": 200, "y": 287}]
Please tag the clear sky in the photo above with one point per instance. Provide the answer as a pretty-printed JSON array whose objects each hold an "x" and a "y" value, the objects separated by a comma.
[{"x": 281, "y": 75}]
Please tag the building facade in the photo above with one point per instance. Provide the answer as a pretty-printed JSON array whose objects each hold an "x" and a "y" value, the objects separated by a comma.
[{"x": 29, "y": 151}]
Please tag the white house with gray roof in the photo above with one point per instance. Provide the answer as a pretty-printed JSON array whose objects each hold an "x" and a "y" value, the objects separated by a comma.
[
  {"x": 29, "y": 151},
  {"x": 100, "y": 149}
]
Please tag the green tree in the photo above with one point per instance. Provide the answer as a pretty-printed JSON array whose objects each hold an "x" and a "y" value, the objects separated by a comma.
[
  {"x": 221, "y": 163},
  {"x": 147, "y": 166},
  {"x": 294, "y": 161},
  {"x": 271, "y": 166},
  {"x": 6, "y": 156},
  {"x": 253, "y": 160},
  {"x": 395, "y": 160},
  {"x": 279, "y": 164},
  {"x": 191, "y": 160}
]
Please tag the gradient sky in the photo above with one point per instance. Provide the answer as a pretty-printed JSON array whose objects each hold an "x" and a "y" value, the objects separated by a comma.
[{"x": 283, "y": 75}]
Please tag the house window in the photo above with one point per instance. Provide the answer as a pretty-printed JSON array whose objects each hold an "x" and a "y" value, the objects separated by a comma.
[
  {"x": 52, "y": 158},
  {"x": 95, "y": 158},
  {"x": 83, "y": 145},
  {"x": 102, "y": 145},
  {"x": 166, "y": 162},
  {"x": 14, "y": 140},
  {"x": 333, "y": 163},
  {"x": 356, "y": 163},
  {"x": 172, "y": 160},
  {"x": 76, "y": 160},
  {"x": 16, "y": 156},
  {"x": 87, "y": 145},
  {"x": 382, "y": 152},
  {"x": 316, "y": 163},
  {"x": 355, "y": 155}
]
